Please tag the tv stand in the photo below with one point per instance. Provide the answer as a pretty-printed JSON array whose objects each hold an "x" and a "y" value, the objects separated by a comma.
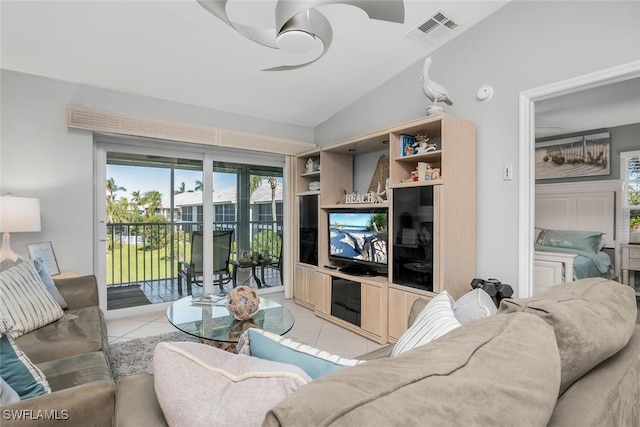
[{"x": 357, "y": 271}]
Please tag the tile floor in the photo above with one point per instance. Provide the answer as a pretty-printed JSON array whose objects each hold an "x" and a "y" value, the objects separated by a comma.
[{"x": 308, "y": 329}]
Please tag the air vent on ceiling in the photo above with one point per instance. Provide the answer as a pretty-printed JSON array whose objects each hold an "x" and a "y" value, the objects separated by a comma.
[{"x": 433, "y": 29}]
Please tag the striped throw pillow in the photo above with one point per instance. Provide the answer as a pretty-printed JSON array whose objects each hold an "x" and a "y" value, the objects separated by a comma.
[
  {"x": 20, "y": 374},
  {"x": 25, "y": 301},
  {"x": 436, "y": 319},
  {"x": 269, "y": 346}
]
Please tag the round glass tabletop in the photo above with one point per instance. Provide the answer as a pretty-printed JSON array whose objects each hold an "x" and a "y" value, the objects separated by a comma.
[{"x": 209, "y": 319}]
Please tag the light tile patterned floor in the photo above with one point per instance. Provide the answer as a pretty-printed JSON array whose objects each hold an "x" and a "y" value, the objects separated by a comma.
[{"x": 308, "y": 329}]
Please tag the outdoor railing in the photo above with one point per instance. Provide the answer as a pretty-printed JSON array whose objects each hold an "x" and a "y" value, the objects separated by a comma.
[{"x": 149, "y": 251}]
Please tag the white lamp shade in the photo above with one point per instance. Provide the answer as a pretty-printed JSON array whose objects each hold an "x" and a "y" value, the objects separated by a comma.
[{"x": 19, "y": 214}]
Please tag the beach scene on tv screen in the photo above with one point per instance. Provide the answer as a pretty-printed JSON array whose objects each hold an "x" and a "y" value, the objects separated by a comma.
[{"x": 359, "y": 236}]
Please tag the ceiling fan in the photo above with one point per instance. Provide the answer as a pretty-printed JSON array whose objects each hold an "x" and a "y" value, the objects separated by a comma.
[{"x": 298, "y": 23}]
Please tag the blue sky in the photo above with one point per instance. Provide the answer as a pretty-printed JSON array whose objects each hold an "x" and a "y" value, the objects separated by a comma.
[
  {"x": 145, "y": 179},
  {"x": 350, "y": 219}
]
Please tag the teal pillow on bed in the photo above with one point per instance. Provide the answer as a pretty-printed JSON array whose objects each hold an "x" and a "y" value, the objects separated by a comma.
[{"x": 571, "y": 239}]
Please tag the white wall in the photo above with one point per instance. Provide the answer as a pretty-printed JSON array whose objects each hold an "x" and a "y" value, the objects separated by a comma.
[
  {"x": 523, "y": 46},
  {"x": 40, "y": 157}
]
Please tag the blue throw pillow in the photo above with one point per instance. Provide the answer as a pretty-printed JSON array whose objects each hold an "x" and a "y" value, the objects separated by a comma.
[
  {"x": 17, "y": 370},
  {"x": 49, "y": 285},
  {"x": 269, "y": 346}
]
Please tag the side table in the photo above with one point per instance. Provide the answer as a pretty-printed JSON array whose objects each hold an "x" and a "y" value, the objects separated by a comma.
[{"x": 630, "y": 263}]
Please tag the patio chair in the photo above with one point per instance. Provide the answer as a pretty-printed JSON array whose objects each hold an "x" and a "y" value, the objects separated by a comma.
[
  {"x": 192, "y": 272},
  {"x": 275, "y": 263}
]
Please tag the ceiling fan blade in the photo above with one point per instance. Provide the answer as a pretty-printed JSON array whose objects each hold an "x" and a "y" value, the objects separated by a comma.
[
  {"x": 383, "y": 10},
  {"x": 313, "y": 22},
  {"x": 263, "y": 36}
]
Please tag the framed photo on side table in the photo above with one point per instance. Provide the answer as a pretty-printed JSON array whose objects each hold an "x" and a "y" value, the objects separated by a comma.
[{"x": 44, "y": 252}]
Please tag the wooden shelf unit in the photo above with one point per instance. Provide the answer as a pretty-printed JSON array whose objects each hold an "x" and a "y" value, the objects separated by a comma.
[{"x": 386, "y": 305}]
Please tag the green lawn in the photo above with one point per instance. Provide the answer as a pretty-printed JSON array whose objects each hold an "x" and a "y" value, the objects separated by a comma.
[{"x": 131, "y": 263}]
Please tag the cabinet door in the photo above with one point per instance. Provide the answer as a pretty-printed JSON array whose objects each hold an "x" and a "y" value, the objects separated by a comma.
[
  {"x": 373, "y": 313},
  {"x": 321, "y": 293},
  {"x": 400, "y": 303},
  {"x": 301, "y": 284}
]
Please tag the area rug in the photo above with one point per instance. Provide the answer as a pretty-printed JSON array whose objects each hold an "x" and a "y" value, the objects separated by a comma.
[
  {"x": 136, "y": 355},
  {"x": 125, "y": 296}
]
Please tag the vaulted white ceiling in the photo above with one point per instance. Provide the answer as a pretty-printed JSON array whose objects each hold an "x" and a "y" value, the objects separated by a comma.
[{"x": 178, "y": 51}]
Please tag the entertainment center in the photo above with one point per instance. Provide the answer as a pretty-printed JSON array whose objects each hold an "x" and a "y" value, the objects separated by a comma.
[{"x": 361, "y": 265}]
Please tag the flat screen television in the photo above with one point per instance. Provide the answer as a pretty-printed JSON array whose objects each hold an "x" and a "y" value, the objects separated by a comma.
[{"x": 358, "y": 240}]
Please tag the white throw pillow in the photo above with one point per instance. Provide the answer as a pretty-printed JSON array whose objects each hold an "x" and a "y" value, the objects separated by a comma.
[
  {"x": 200, "y": 385},
  {"x": 25, "y": 301},
  {"x": 475, "y": 304},
  {"x": 436, "y": 319}
]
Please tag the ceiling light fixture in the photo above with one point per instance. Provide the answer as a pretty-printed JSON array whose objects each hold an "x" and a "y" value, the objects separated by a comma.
[{"x": 298, "y": 24}]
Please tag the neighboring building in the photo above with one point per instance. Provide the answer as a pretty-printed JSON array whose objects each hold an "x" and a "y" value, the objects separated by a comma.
[{"x": 188, "y": 205}]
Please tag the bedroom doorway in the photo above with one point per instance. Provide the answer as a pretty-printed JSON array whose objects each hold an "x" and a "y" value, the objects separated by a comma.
[{"x": 526, "y": 175}]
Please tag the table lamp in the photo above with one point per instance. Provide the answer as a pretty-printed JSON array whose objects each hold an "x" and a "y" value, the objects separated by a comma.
[{"x": 17, "y": 215}]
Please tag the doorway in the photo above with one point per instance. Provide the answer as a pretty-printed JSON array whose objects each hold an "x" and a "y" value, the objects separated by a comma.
[{"x": 526, "y": 157}]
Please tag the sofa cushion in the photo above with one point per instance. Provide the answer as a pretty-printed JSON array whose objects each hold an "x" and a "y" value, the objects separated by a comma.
[
  {"x": 474, "y": 305},
  {"x": 266, "y": 345},
  {"x": 20, "y": 373},
  {"x": 25, "y": 301},
  {"x": 500, "y": 370},
  {"x": 436, "y": 319},
  {"x": 48, "y": 283},
  {"x": 200, "y": 385},
  {"x": 76, "y": 370},
  {"x": 79, "y": 331},
  {"x": 593, "y": 319}
]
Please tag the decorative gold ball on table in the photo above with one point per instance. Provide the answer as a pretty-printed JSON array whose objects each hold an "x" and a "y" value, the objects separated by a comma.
[{"x": 242, "y": 302}]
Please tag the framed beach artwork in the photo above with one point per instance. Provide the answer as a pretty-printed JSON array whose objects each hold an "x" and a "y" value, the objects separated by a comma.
[
  {"x": 44, "y": 252},
  {"x": 576, "y": 156}
]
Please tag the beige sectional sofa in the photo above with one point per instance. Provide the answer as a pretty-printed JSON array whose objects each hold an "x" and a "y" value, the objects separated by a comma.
[
  {"x": 570, "y": 357},
  {"x": 72, "y": 353}
]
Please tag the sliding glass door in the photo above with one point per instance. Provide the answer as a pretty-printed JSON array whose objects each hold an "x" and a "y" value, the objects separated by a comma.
[{"x": 153, "y": 203}]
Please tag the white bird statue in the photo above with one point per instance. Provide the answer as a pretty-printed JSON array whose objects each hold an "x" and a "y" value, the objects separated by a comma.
[{"x": 433, "y": 90}]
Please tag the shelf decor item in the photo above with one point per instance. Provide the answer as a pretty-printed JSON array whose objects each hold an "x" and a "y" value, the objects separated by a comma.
[{"x": 407, "y": 143}]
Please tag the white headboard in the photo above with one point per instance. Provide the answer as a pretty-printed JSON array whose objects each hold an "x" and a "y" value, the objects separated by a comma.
[{"x": 589, "y": 206}]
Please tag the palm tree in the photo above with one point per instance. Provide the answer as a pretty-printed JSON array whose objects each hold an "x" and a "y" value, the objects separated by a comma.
[
  {"x": 153, "y": 201},
  {"x": 180, "y": 189},
  {"x": 254, "y": 183},
  {"x": 112, "y": 189},
  {"x": 199, "y": 186}
]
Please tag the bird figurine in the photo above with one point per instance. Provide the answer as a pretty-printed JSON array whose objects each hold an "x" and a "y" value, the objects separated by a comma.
[{"x": 434, "y": 91}]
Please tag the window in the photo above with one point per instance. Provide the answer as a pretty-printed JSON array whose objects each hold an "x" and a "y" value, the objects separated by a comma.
[{"x": 630, "y": 174}]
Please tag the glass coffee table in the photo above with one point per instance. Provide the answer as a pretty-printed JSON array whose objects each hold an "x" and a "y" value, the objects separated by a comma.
[{"x": 210, "y": 320}]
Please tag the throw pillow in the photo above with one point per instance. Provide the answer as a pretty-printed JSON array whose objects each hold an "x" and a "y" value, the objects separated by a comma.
[
  {"x": 200, "y": 385},
  {"x": 25, "y": 301},
  {"x": 17, "y": 370},
  {"x": 436, "y": 319},
  {"x": 7, "y": 394},
  {"x": 474, "y": 305},
  {"x": 270, "y": 346},
  {"x": 49, "y": 285},
  {"x": 592, "y": 318}
]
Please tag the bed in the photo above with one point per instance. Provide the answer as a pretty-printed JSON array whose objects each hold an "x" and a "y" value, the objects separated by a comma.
[{"x": 575, "y": 232}]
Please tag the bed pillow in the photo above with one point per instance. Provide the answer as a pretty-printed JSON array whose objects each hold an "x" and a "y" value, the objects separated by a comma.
[
  {"x": 590, "y": 241},
  {"x": 49, "y": 285},
  {"x": 270, "y": 346},
  {"x": 21, "y": 375},
  {"x": 436, "y": 319},
  {"x": 25, "y": 301},
  {"x": 200, "y": 385}
]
